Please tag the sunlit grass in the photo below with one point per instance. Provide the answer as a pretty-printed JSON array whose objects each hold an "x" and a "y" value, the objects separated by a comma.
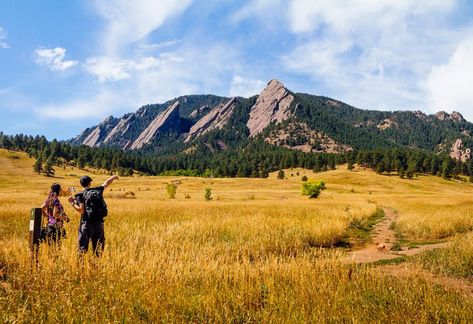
[{"x": 258, "y": 252}]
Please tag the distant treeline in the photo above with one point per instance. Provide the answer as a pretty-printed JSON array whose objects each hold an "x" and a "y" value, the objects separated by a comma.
[{"x": 256, "y": 159}]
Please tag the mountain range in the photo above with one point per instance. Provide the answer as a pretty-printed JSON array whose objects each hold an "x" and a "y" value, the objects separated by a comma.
[{"x": 278, "y": 117}]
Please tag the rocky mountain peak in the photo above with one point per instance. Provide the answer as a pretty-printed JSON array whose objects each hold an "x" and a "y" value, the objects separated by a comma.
[
  {"x": 217, "y": 118},
  {"x": 163, "y": 121},
  {"x": 442, "y": 115},
  {"x": 272, "y": 105},
  {"x": 455, "y": 116}
]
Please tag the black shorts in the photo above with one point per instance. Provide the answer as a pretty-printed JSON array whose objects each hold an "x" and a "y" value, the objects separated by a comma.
[{"x": 91, "y": 231}]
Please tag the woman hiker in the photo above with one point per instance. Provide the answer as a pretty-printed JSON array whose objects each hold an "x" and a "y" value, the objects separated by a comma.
[{"x": 54, "y": 211}]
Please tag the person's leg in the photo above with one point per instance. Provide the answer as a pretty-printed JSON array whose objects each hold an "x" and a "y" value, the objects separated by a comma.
[
  {"x": 98, "y": 238},
  {"x": 84, "y": 237},
  {"x": 101, "y": 235}
]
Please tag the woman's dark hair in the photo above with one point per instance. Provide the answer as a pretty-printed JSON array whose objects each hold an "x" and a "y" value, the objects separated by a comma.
[{"x": 56, "y": 188}]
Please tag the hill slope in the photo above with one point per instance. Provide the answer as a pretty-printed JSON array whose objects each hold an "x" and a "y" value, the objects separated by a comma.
[{"x": 280, "y": 117}]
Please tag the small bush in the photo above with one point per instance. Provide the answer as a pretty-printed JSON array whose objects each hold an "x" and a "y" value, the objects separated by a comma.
[
  {"x": 304, "y": 178},
  {"x": 281, "y": 174},
  {"x": 187, "y": 196},
  {"x": 312, "y": 188},
  {"x": 208, "y": 194},
  {"x": 171, "y": 189}
]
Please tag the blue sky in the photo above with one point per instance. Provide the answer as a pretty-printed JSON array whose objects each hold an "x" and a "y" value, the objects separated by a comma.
[{"x": 66, "y": 65}]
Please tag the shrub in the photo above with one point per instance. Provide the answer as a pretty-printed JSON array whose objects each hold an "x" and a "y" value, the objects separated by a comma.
[
  {"x": 281, "y": 174},
  {"x": 312, "y": 188},
  {"x": 304, "y": 178},
  {"x": 187, "y": 196},
  {"x": 208, "y": 194},
  {"x": 171, "y": 189}
]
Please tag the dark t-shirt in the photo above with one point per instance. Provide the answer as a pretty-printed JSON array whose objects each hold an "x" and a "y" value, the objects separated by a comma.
[{"x": 80, "y": 199}]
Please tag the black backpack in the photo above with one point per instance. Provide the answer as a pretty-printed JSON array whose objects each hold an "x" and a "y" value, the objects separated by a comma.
[{"x": 95, "y": 206}]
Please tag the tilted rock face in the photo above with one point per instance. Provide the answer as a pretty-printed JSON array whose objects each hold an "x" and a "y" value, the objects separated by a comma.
[
  {"x": 217, "y": 118},
  {"x": 93, "y": 138},
  {"x": 272, "y": 105},
  {"x": 197, "y": 111},
  {"x": 119, "y": 130},
  {"x": 165, "y": 120},
  {"x": 458, "y": 153}
]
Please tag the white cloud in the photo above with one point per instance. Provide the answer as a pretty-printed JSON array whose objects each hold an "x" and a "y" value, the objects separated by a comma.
[
  {"x": 3, "y": 37},
  {"x": 146, "y": 80},
  {"x": 131, "y": 21},
  {"x": 348, "y": 16},
  {"x": 142, "y": 48},
  {"x": 372, "y": 54},
  {"x": 263, "y": 9},
  {"x": 116, "y": 69},
  {"x": 53, "y": 58},
  {"x": 245, "y": 87},
  {"x": 448, "y": 85}
]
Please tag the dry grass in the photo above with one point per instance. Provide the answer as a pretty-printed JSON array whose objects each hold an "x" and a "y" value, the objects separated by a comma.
[{"x": 253, "y": 254}]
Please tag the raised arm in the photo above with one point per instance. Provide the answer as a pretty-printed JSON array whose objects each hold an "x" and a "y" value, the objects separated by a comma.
[{"x": 109, "y": 181}]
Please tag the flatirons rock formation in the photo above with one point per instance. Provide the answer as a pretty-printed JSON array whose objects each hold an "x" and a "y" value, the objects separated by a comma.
[
  {"x": 99, "y": 132},
  {"x": 117, "y": 134},
  {"x": 278, "y": 117},
  {"x": 217, "y": 118},
  {"x": 164, "y": 121},
  {"x": 272, "y": 105}
]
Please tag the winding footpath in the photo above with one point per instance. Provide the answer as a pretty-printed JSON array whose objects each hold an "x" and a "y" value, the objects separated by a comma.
[{"x": 379, "y": 249}]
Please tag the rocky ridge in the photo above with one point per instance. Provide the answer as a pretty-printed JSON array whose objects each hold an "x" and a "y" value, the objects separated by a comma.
[
  {"x": 280, "y": 117},
  {"x": 217, "y": 118},
  {"x": 164, "y": 121},
  {"x": 272, "y": 105}
]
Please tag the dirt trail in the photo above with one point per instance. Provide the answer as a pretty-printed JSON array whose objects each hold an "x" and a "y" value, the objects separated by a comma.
[{"x": 379, "y": 248}]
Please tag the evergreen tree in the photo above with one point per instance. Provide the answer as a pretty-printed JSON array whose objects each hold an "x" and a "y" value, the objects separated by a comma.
[
  {"x": 38, "y": 165},
  {"x": 48, "y": 168},
  {"x": 447, "y": 168}
]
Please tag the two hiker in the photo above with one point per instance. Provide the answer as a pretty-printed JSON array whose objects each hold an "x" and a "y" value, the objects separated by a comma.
[{"x": 90, "y": 204}]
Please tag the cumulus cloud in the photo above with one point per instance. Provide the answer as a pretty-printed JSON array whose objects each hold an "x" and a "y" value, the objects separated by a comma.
[
  {"x": 139, "y": 81},
  {"x": 348, "y": 16},
  {"x": 3, "y": 37},
  {"x": 370, "y": 53},
  {"x": 53, "y": 58},
  {"x": 245, "y": 87},
  {"x": 116, "y": 69},
  {"x": 448, "y": 85},
  {"x": 131, "y": 21}
]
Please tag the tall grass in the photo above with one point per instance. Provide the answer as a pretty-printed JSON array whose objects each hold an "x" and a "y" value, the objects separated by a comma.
[{"x": 271, "y": 258}]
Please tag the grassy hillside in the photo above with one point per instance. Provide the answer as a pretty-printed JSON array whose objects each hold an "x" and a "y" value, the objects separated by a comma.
[{"x": 257, "y": 252}]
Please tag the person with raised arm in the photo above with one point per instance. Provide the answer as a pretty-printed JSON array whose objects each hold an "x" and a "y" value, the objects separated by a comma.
[{"x": 93, "y": 209}]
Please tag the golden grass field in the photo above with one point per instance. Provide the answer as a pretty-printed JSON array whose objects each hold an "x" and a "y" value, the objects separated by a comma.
[{"x": 258, "y": 252}]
